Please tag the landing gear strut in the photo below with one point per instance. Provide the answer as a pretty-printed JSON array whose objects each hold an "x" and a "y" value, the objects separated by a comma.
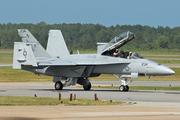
[{"x": 58, "y": 85}]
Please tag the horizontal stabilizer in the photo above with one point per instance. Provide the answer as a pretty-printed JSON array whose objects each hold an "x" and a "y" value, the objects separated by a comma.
[{"x": 23, "y": 55}]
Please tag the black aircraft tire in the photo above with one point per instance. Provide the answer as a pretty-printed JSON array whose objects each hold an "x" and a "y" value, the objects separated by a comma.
[
  {"x": 122, "y": 88},
  {"x": 58, "y": 85},
  {"x": 87, "y": 87},
  {"x": 126, "y": 88}
]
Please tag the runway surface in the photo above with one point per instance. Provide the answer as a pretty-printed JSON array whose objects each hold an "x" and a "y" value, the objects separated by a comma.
[
  {"x": 46, "y": 89},
  {"x": 139, "y": 104}
]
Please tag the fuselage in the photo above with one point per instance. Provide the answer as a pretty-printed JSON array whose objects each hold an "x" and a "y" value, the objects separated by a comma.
[
  {"x": 92, "y": 65},
  {"x": 141, "y": 66}
]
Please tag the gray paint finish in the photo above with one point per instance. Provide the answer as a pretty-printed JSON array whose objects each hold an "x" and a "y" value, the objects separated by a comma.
[{"x": 56, "y": 62}]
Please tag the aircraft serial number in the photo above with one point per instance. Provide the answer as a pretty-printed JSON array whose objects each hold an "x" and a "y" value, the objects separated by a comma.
[
  {"x": 93, "y": 56},
  {"x": 144, "y": 64}
]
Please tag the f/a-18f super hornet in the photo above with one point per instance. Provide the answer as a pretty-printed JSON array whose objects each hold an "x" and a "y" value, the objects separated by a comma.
[{"x": 77, "y": 68}]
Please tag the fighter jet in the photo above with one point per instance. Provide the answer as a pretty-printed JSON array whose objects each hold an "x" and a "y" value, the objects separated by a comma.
[{"x": 56, "y": 61}]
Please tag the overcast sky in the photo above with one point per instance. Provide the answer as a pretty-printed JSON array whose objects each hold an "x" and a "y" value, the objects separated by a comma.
[{"x": 105, "y": 12}]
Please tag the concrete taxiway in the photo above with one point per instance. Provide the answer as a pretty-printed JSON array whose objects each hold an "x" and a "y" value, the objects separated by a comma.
[{"x": 46, "y": 89}]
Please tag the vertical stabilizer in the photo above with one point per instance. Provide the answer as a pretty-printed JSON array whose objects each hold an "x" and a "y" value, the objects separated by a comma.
[
  {"x": 56, "y": 45},
  {"x": 38, "y": 50}
]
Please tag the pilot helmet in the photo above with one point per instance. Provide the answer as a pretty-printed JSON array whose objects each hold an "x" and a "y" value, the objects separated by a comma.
[
  {"x": 116, "y": 50},
  {"x": 130, "y": 53}
]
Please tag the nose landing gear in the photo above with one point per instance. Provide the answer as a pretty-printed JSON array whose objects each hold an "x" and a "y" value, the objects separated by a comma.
[
  {"x": 124, "y": 88},
  {"x": 124, "y": 84}
]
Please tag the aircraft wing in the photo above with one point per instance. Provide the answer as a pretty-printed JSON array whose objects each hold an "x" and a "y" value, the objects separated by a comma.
[
  {"x": 117, "y": 42},
  {"x": 100, "y": 63},
  {"x": 80, "y": 68},
  {"x": 6, "y": 65},
  {"x": 56, "y": 64},
  {"x": 69, "y": 63}
]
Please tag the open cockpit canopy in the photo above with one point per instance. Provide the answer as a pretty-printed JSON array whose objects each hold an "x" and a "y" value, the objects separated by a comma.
[{"x": 117, "y": 42}]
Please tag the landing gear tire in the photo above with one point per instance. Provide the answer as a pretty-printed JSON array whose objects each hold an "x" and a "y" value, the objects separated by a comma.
[
  {"x": 124, "y": 88},
  {"x": 87, "y": 87},
  {"x": 121, "y": 88},
  {"x": 58, "y": 85}
]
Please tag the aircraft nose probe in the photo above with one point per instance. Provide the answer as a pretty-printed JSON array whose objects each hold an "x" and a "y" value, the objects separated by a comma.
[{"x": 163, "y": 70}]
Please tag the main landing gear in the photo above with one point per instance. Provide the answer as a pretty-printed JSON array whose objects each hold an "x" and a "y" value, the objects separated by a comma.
[
  {"x": 72, "y": 81},
  {"x": 58, "y": 85},
  {"x": 124, "y": 84},
  {"x": 87, "y": 87},
  {"x": 85, "y": 82}
]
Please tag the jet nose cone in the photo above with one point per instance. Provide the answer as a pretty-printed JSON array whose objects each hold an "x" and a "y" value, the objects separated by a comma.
[
  {"x": 163, "y": 70},
  {"x": 170, "y": 72}
]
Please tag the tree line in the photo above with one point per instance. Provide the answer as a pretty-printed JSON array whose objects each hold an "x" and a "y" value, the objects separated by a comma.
[{"x": 85, "y": 36}]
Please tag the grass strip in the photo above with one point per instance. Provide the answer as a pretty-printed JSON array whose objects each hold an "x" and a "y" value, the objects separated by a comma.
[
  {"x": 167, "y": 61},
  {"x": 177, "y": 88},
  {"x": 26, "y": 100}
]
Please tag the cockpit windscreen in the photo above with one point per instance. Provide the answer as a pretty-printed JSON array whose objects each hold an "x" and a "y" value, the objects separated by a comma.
[{"x": 136, "y": 56}]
